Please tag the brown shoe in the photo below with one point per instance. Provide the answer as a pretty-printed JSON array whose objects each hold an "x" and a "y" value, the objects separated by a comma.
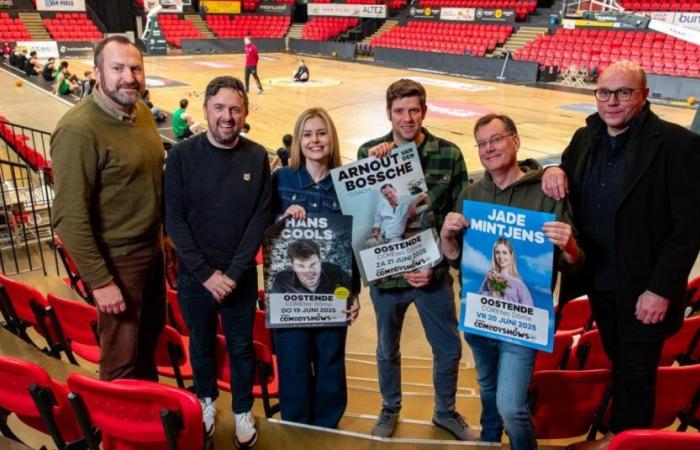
[{"x": 598, "y": 444}]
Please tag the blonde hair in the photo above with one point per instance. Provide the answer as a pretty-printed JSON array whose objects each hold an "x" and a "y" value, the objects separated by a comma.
[
  {"x": 297, "y": 156},
  {"x": 513, "y": 270}
]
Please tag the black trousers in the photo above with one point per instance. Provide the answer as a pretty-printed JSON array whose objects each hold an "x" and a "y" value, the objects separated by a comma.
[
  {"x": 634, "y": 367},
  {"x": 254, "y": 71}
]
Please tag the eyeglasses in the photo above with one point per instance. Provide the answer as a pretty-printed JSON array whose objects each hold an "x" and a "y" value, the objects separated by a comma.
[
  {"x": 495, "y": 140},
  {"x": 622, "y": 94}
]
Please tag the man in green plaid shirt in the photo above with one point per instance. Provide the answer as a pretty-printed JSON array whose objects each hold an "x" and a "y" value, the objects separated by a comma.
[{"x": 431, "y": 290}]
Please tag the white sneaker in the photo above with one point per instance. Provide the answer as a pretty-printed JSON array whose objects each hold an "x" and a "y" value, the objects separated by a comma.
[
  {"x": 208, "y": 415},
  {"x": 246, "y": 434}
]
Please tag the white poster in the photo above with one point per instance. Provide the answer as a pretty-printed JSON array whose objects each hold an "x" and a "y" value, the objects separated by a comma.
[
  {"x": 60, "y": 5},
  {"x": 346, "y": 10}
]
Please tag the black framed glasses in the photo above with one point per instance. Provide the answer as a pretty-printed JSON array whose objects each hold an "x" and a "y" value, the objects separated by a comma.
[
  {"x": 494, "y": 140},
  {"x": 622, "y": 94}
]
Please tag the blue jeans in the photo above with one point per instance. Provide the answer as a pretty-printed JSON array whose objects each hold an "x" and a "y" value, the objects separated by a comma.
[
  {"x": 436, "y": 309},
  {"x": 311, "y": 361},
  {"x": 504, "y": 371},
  {"x": 237, "y": 311}
]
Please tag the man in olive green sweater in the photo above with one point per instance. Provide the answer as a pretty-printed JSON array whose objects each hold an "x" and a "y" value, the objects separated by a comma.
[{"x": 108, "y": 167}]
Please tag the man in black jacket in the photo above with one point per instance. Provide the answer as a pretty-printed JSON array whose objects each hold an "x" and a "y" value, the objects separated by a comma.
[
  {"x": 633, "y": 188},
  {"x": 217, "y": 197}
]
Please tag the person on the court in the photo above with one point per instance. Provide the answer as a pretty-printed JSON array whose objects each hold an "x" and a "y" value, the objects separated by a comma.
[
  {"x": 217, "y": 203},
  {"x": 184, "y": 124},
  {"x": 431, "y": 290},
  {"x": 108, "y": 176},
  {"x": 302, "y": 73},
  {"x": 631, "y": 178},
  {"x": 251, "y": 64}
]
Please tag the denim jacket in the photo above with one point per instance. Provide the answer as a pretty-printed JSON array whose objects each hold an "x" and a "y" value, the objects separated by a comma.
[{"x": 295, "y": 187}]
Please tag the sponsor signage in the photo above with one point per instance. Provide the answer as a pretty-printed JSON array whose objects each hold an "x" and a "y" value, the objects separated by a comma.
[
  {"x": 688, "y": 20},
  {"x": 7, "y": 4},
  {"x": 274, "y": 9},
  {"x": 346, "y": 10},
  {"x": 75, "y": 49},
  {"x": 60, "y": 5},
  {"x": 494, "y": 15},
  {"x": 457, "y": 14},
  {"x": 220, "y": 7},
  {"x": 425, "y": 13},
  {"x": 43, "y": 49}
]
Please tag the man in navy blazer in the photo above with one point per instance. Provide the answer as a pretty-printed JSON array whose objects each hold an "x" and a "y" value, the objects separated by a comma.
[{"x": 632, "y": 182}]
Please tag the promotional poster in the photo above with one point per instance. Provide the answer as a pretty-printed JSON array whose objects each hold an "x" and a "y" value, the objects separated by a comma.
[
  {"x": 393, "y": 224},
  {"x": 308, "y": 271},
  {"x": 506, "y": 268}
]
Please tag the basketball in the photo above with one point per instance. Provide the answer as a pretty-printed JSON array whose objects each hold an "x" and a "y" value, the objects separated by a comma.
[
  {"x": 18, "y": 83},
  {"x": 692, "y": 100}
]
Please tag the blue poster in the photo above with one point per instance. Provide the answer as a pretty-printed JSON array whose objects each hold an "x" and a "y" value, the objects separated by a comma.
[{"x": 507, "y": 264}]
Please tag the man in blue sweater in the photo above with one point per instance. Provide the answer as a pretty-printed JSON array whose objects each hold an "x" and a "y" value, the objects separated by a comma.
[{"x": 217, "y": 198}]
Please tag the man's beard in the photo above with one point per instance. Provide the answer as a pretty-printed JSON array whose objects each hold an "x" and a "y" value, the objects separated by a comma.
[{"x": 119, "y": 98}]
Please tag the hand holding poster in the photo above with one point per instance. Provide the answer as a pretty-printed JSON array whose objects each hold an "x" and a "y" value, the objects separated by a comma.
[
  {"x": 308, "y": 271},
  {"x": 392, "y": 220},
  {"x": 506, "y": 269}
]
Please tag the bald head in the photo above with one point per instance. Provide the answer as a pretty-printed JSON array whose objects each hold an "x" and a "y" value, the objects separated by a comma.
[{"x": 622, "y": 86}]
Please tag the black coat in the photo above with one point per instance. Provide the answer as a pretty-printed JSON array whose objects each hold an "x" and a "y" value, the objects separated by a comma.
[{"x": 657, "y": 221}]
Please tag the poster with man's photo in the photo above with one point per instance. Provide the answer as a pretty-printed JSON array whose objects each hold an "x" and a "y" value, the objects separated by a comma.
[
  {"x": 507, "y": 264},
  {"x": 393, "y": 224},
  {"x": 308, "y": 271}
]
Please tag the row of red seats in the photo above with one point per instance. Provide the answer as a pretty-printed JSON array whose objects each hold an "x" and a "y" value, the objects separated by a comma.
[
  {"x": 176, "y": 28},
  {"x": 645, "y": 5},
  {"x": 22, "y": 145},
  {"x": 13, "y": 29},
  {"x": 453, "y": 38},
  {"x": 238, "y": 26},
  {"x": 326, "y": 28},
  {"x": 73, "y": 27},
  {"x": 655, "y": 52}
]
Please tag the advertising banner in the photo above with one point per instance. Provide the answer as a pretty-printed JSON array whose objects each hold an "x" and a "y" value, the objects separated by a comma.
[
  {"x": 347, "y": 10},
  {"x": 220, "y": 7},
  {"x": 496, "y": 15},
  {"x": 60, "y": 5},
  {"x": 393, "y": 223},
  {"x": 458, "y": 14},
  {"x": 506, "y": 269},
  {"x": 308, "y": 271},
  {"x": 76, "y": 49},
  {"x": 43, "y": 49}
]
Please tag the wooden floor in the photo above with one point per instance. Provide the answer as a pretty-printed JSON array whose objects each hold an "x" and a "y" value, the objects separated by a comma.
[{"x": 353, "y": 93}]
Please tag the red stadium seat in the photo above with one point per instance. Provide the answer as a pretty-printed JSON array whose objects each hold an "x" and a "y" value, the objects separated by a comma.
[
  {"x": 75, "y": 327},
  {"x": 654, "y": 440},
  {"x": 568, "y": 403},
  {"x": 38, "y": 400},
  {"x": 132, "y": 414}
]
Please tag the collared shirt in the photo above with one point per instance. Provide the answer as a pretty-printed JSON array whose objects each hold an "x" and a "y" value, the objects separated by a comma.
[
  {"x": 392, "y": 221},
  {"x": 107, "y": 106},
  {"x": 445, "y": 175},
  {"x": 603, "y": 187}
]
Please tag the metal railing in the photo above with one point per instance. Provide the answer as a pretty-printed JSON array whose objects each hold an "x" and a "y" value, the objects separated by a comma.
[{"x": 26, "y": 199}]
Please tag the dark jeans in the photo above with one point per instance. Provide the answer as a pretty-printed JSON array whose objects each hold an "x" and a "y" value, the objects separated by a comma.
[
  {"x": 634, "y": 366},
  {"x": 252, "y": 71},
  {"x": 128, "y": 340},
  {"x": 237, "y": 311},
  {"x": 436, "y": 309},
  {"x": 311, "y": 363}
]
